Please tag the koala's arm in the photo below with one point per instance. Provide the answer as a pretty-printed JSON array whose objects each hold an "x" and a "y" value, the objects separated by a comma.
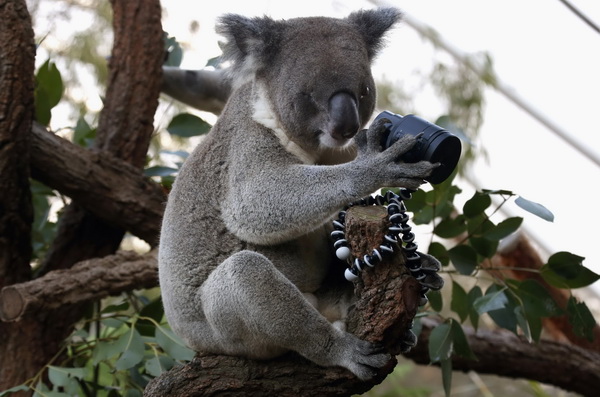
[{"x": 271, "y": 201}]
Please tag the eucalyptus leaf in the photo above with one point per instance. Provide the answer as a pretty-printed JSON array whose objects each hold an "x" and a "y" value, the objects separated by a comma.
[
  {"x": 494, "y": 299},
  {"x": 133, "y": 350},
  {"x": 460, "y": 301},
  {"x": 451, "y": 227},
  {"x": 446, "y": 366},
  {"x": 13, "y": 390},
  {"x": 187, "y": 125},
  {"x": 535, "y": 208},
  {"x": 460, "y": 342},
  {"x": 464, "y": 259},
  {"x": 566, "y": 270},
  {"x": 436, "y": 300},
  {"x": 581, "y": 319},
  {"x": 439, "y": 252},
  {"x": 440, "y": 343},
  {"x": 504, "y": 229},
  {"x": 61, "y": 376},
  {"x": 474, "y": 294},
  {"x": 476, "y": 205},
  {"x": 536, "y": 299},
  {"x": 172, "y": 344}
]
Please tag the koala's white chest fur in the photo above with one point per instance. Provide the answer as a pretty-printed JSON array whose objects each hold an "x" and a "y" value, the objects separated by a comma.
[{"x": 264, "y": 115}]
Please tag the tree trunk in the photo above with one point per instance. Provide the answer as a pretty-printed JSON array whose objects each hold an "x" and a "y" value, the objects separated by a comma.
[
  {"x": 125, "y": 129},
  {"x": 16, "y": 113}
]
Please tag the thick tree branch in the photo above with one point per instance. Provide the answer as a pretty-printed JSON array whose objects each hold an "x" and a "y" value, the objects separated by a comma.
[
  {"x": 503, "y": 353},
  {"x": 89, "y": 280},
  {"x": 102, "y": 184},
  {"x": 202, "y": 89}
]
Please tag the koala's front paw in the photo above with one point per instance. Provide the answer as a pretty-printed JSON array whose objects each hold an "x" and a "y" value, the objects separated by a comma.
[
  {"x": 431, "y": 266},
  {"x": 385, "y": 165},
  {"x": 363, "y": 358}
]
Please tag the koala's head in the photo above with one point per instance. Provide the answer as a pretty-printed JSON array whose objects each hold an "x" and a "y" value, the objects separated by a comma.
[{"x": 314, "y": 72}]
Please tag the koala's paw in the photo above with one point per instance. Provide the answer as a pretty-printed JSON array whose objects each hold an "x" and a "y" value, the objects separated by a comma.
[
  {"x": 364, "y": 358},
  {"x": 431, "y": 267}
]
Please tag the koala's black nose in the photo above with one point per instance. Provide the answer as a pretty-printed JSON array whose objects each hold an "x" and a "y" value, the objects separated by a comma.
[{"x": 343, "y": 116}]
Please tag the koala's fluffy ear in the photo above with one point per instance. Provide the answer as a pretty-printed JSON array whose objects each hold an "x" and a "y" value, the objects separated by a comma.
[
  {"x": 373, "y": 24},
  {"x": 250, "y": 43}
]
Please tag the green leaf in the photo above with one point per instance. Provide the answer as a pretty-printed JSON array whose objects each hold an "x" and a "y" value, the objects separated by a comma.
[
  {"x": 83, "y": 135},
  {"x": 504, "y": 229},
  {"x": 535, "y": 208},
  {"x": 460, "y": 342},
  {"x": 494, "y": 299},
  {"x": 159, "y": 364},
  {"x": 48, "y": 91},
  {"x": 483, "y": 246},
  {"x": 159, "y": 170},
  {"x": 536, "y": 299},
  {"x": 439, "y": 252},
  {"x": 187, "y": 125},
  {"x": 436, "y": 300},
  {"x": 566, "y": 270},
  {"x": 446, "y": 366},
  {"x": 460, "y": 301},
  {"x": 523, "y": 323},
  {"x": 440, "y": 343},
  {"x": 133, "y": 349},
  {"x": 474, "y": 294},
  {"x": 476, "y": 205},
  {"x": 464, "y": 259},
  {"x": 62, "y": 376},
  {"x": 172, "y": 344},
  {"x": 449, "y": 228},
  {"x": 581, "y": 319}
]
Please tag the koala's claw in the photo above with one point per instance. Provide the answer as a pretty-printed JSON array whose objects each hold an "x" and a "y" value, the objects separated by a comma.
[{"x": 366, "y": 359}]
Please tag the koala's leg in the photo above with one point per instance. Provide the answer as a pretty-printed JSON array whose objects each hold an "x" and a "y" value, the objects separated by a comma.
[{"x": 255, "y": 311}]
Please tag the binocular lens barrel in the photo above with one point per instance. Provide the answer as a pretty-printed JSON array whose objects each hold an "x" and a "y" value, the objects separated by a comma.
[{"x": 436, "y": 145}]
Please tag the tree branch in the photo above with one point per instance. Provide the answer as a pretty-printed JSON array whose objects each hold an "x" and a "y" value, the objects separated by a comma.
[
  {"x": 202, "y": 89},
  {"x": 89, "y": 280},
  {"x": 104, "y": 185},
  {"x": 503, "y": 353}
]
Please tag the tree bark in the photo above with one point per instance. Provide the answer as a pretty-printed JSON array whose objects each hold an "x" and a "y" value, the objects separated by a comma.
[
  {"x": 87, "y": 281},
  {"x": 503, "y": 353},
  {"x": 108, "y": 187},
  {"x": 16, "y": 113}
]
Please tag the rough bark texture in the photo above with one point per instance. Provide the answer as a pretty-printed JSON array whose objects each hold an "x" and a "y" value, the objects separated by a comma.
[
  {"x": 106, "y": 186},
  {"x": 89, "y": 280},
  {"x": 387, "y": 304},
  {"x": 125, "y": 126},
  {"x": 17, "y": 51},
  {"x": 125, "y": 129},
  {"x": 503, "y": 353}
]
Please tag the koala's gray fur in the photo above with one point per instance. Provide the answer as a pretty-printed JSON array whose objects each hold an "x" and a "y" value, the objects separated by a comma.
[{"x": 245, "y": 262}]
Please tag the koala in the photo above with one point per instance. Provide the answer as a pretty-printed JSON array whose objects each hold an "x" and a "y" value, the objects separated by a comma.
[{"x": 245, "y": 262}]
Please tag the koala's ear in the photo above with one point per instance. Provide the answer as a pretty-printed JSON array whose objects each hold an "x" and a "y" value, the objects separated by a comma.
[
  {"x": 373, "y": 24},
  {"x": 250, "y": 42}
]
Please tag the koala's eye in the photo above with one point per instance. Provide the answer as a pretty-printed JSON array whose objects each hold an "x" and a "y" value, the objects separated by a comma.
[{"x": 364, "y": 92}]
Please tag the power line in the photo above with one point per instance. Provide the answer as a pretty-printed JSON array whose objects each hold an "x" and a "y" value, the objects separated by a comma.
[
  {"x": 508, "y": 92},
  {"x": 581, "y": 15}
]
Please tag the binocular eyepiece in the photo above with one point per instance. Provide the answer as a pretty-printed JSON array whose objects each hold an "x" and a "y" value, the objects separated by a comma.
[{"x": 436, "y": 145}]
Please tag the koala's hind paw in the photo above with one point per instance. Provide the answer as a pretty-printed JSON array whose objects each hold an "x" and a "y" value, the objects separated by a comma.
[{"x": 366, "y": 358}]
